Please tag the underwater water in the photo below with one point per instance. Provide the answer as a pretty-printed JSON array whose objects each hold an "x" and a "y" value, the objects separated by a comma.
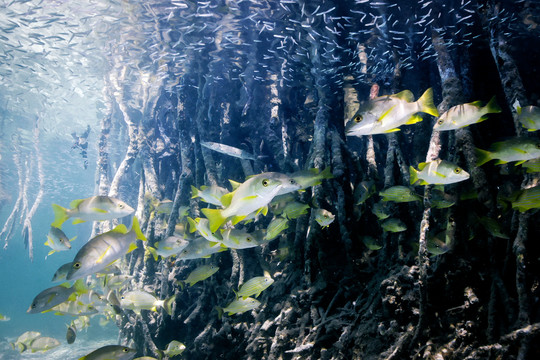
[{"x": 312, "y": 179}]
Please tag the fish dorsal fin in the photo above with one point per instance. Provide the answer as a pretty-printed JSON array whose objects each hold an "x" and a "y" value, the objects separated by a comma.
[
  {"x": 421, "y": 166},
  {"x": 227, "y": 198},
  {"x": 380, "y": 119},
  {"x": 406, "y": 95},
  {"x": 120, "y": 229},
  {"x": 477, "y": 103},
  {"x": 75, "y": 203}
]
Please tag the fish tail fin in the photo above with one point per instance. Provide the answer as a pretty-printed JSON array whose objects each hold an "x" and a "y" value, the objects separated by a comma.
[
  {"x": 152, "y": 251},
  {"x": 215, "y": 218},
  {"x": 136, "y": 227},
  {"x": 426, "y": 104},
  {"x": 60, "y": 215},
  {"x": 326, "y": 174},
  {"x": 492, "y": 106},
  {"x": 80, "y": 287},
  {"x": 482, "y": 156},
  {"x": 168, "y": 303},
  {"x": 192, "y": 225},
  {"x": 413, "y": 174},
  {"x": 194, "y": 192},
  {"x": 219, "y": 312}
]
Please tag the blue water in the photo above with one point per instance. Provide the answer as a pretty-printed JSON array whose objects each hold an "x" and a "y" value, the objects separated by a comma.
[{"x": 21, "y": 279}]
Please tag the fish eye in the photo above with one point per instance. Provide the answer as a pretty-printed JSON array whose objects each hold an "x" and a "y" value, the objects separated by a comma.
[
  {"x": 440, "y": 121},
  {"x": 457, "y": 170},
  {"x": 265, "y": 182},
  {"x": 248, "y": 239},
  {"x": 292, "y": 182},
  {"x": 121, "y": 206},
  {"x": 357, "y": 118},
  {"x": 125, "y": 349},
  {"x": 76, "y": 265},
  {"x": 34, "y": 305}
]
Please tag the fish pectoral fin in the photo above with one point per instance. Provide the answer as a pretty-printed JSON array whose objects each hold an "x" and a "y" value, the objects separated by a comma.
[
  {"x": 99, "y": 210},
  {"x": 251, "y": 197}
]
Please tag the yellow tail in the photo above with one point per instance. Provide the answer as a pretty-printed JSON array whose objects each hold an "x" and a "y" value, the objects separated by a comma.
[
  {"x": 426, "y": 104},
  {"x": 215, "y": 218},
  {"x": 60, "y": 215}
]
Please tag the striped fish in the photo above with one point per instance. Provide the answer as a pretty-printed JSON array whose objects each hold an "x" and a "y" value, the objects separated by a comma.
[{"x": 528, "y": 199}]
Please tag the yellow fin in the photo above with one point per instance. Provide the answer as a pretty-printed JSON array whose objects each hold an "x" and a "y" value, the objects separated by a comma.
[
  {"x": 236, "y": 219},
  {"x": 121, "y": 229},
  {"x": 406, "y": 95},
  {"x": 414, "y": 119},
  {"x": 226, "y": 199},
  {"x": 192, "y": 225},
  {"x": 75, "y": 203},
  {"x": 132, "y": 247},
  {"x": 78, "y": 221},
  {"x": 235, "y": 184}
]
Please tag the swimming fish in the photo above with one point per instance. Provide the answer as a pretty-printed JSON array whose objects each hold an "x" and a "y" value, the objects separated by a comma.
[
  {"x": 201, "y": 273},
  {"x": 4, "y": 317},
  {"x": 200, "y": 248},
  {"x": 323, "y": 217},
  {"x": 138, "y": 300},
  {"x": 229, "y": 150},
  {"x": 393, "y": 225},
  {"x": 399, "y": 194},
  {"x": 527, "y": 199},
  {"x": 364, "y": 191},
  {"x": 463, "y": 115},
  {"x": 71, "y": 334},
  {"x": 387, "y": 113},
  {"x": 516, "y": 149},
  {"x": 24, "y": 340},
  {"x": 252, "y": 195},
  {"x": 381, "y": 209},
  {"x": 372, "y": 243},
  {"x": 95, "y": 208},
  {"x": 492, "y": 226},
  {"x": 43, "y": 344},
  {"x": 55, "y": 295},
  {"x": 532, "y": 166},
  {"x": 103, "y": 249},
  {"x": 202, "y": 225},
  {"x": 294, "y": 209},
  {"x": 276, "y": 227},
  {"x": 311, "y": 177},
  {"x": 169, "y": 246},
  {"x": 529, "y": 117},
  {"x": 439, "y": 172},
  {"x": 209, "y": 194},
  {"x": 57, "y": 240},
  {"x": 240, "y": 239},
  {"x": 435, "y": 244},
  {"x": 112, "y": 352},
  {"x": 74, "y": 308},
  {"x": 174, "y": 348},
  {"x": 239, "y": 306},
  {"x": 254, "y": 286}
]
